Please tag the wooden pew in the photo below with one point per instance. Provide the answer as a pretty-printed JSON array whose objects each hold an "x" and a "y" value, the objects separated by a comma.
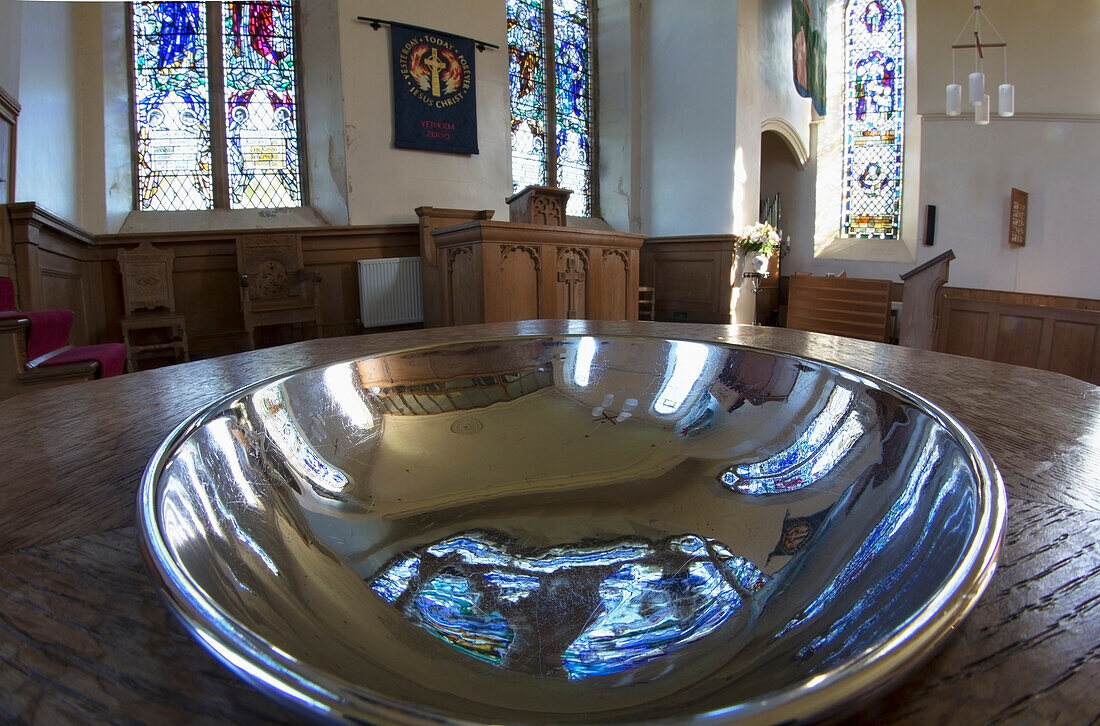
[{"x": 850, "y": 306}]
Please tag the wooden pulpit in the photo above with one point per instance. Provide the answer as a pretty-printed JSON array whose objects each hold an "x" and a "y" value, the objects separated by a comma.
[{"x": 503, "y": 271}]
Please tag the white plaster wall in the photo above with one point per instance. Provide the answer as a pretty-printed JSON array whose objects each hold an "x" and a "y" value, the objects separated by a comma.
[
  {"x": 1053, "y": 52},
  {"x": 91, "y": 146},
  {"x": 11, "y": 26},
  {"x": 1051, "y": 149},
  {"x": 765, "y": 90},
  {"x": 386, "y": 184},
  {"x": 117, "y": 200},
  {"x": 620, "y": 40},
  {"x": 690, "y": 76},
  {"x": 969, "y": 178},
  {"x": 48, "y": 148}
]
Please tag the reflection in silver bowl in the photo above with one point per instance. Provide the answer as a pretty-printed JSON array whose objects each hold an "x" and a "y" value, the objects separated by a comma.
[{"x": 571, "y": 529}]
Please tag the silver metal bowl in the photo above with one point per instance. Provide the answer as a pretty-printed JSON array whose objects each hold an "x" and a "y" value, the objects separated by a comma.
[{"x": 571, "y": 529}]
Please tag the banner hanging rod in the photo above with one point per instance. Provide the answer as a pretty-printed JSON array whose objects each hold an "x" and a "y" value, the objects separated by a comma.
[{"x": 377, "y": 23}]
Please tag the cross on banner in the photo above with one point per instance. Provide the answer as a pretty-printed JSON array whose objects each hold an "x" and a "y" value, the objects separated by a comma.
[{"x": 436, "y": 65}]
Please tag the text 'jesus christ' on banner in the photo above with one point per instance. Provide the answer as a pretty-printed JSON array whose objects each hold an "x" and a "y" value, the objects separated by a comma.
[{"x": 434, "y": 104}]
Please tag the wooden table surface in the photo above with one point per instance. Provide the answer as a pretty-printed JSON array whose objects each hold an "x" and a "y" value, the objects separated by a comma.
[{"x": 84, "y": 638}]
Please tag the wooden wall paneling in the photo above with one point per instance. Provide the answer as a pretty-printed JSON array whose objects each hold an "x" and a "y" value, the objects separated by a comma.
[
  {"x": 64, "y": 287},
  {"x": 691, "y": 276},
  {"x": 1018, "y": 338},
  {"x": 1094, "y": 369},
  {"x": 963, "y": 332},
  {"x": 1074, "y": 349},
  {"x": 207, "y": 282},
  {"x": 1010, "y": 328},
  {"x": 689, "y": 289},
  {"x": 207, "y": 288},
  {"x": 336, "y": 258},
  {"x": 7, "y": 252},
  {"x": 51, "y": 260}
]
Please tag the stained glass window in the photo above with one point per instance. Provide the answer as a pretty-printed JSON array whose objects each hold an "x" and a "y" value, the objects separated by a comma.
[
  {"x": 260, "y": 104},
  {"x": 874, "y": 118},
  {"x": 176, "y": 86},
  {"x": 552, "y": 123},
  {"x": 171, "y": 99}
]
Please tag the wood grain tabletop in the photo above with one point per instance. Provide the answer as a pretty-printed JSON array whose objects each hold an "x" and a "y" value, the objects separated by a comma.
[{"x": 85, "y": 639}]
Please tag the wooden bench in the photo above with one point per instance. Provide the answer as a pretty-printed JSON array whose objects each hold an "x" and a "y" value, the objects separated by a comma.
[{"x": 850, "y": 306}]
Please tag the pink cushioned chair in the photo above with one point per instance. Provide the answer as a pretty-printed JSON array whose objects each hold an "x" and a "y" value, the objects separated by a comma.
[{"x": 36, "y": 348}]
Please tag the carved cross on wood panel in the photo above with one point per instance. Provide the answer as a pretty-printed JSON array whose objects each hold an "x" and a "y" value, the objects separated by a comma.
[{"x": 572, "y": 276}]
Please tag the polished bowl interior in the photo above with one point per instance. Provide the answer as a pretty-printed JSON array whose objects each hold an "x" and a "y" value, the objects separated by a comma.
[{"x": 571, "y": 529}]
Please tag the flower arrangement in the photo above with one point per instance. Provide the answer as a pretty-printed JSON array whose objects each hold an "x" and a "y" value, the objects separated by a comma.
[{"x": 759, "y": 238}]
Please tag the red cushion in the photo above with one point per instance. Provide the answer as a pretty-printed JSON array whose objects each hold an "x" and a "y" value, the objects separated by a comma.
[
  {"x": 49, "y": 331},
  {"x": 111, "y": 357}
]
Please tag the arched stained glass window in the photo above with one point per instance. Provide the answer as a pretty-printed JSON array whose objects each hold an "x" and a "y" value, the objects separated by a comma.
[
  {"x": 874, "y": 118},
  {"x": 552, "y": 122},
  {"x": 245, "y": 154}
]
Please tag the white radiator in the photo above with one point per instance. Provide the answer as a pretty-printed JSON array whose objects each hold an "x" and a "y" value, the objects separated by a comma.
[{"x": 389, "y": 291}]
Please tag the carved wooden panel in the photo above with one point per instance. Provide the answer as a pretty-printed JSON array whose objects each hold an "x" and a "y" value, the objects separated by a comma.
[
  {"x": 273, "y": 263},
  {"x": 610, "y": 299},
  {"x": 430, "y": 219},
  {"x": 517, "y": 287},
  {"x": 571, "y": 283},
  {"x": 546, "y": 211},
  {"x": 146, "y": 278},
  {"x": 462, "y": 295}
]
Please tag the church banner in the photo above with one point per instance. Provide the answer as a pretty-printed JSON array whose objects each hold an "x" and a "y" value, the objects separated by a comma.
[
  {"x": 808, "y": 46},
  {"x": 434, "y": 104}
]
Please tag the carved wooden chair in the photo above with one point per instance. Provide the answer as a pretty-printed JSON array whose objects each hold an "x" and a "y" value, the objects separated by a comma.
[
  {"x": 151, "y": 326},
  {"x": 276, "y": 289}
]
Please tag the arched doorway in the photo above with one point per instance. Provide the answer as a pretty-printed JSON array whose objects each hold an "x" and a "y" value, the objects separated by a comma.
[{"x": 787, "y": 199}]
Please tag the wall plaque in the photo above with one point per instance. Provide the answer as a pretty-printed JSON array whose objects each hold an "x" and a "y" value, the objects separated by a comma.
[{"x": 1017, "y": 221}]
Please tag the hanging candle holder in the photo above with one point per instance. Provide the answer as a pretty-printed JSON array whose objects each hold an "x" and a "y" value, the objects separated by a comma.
[{"x": 977, "y": 94}]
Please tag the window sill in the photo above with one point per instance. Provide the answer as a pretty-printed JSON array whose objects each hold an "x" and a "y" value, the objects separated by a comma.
[
  {"x": 138, "y": 222},
  {"x": 866, "y": 250}
]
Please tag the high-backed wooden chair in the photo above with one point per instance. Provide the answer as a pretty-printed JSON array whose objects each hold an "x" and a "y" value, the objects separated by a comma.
[
  {"x": 276, "y": 289},
  {"x": 850, "y": 306},
  {"x": 151, "y": 325}
]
